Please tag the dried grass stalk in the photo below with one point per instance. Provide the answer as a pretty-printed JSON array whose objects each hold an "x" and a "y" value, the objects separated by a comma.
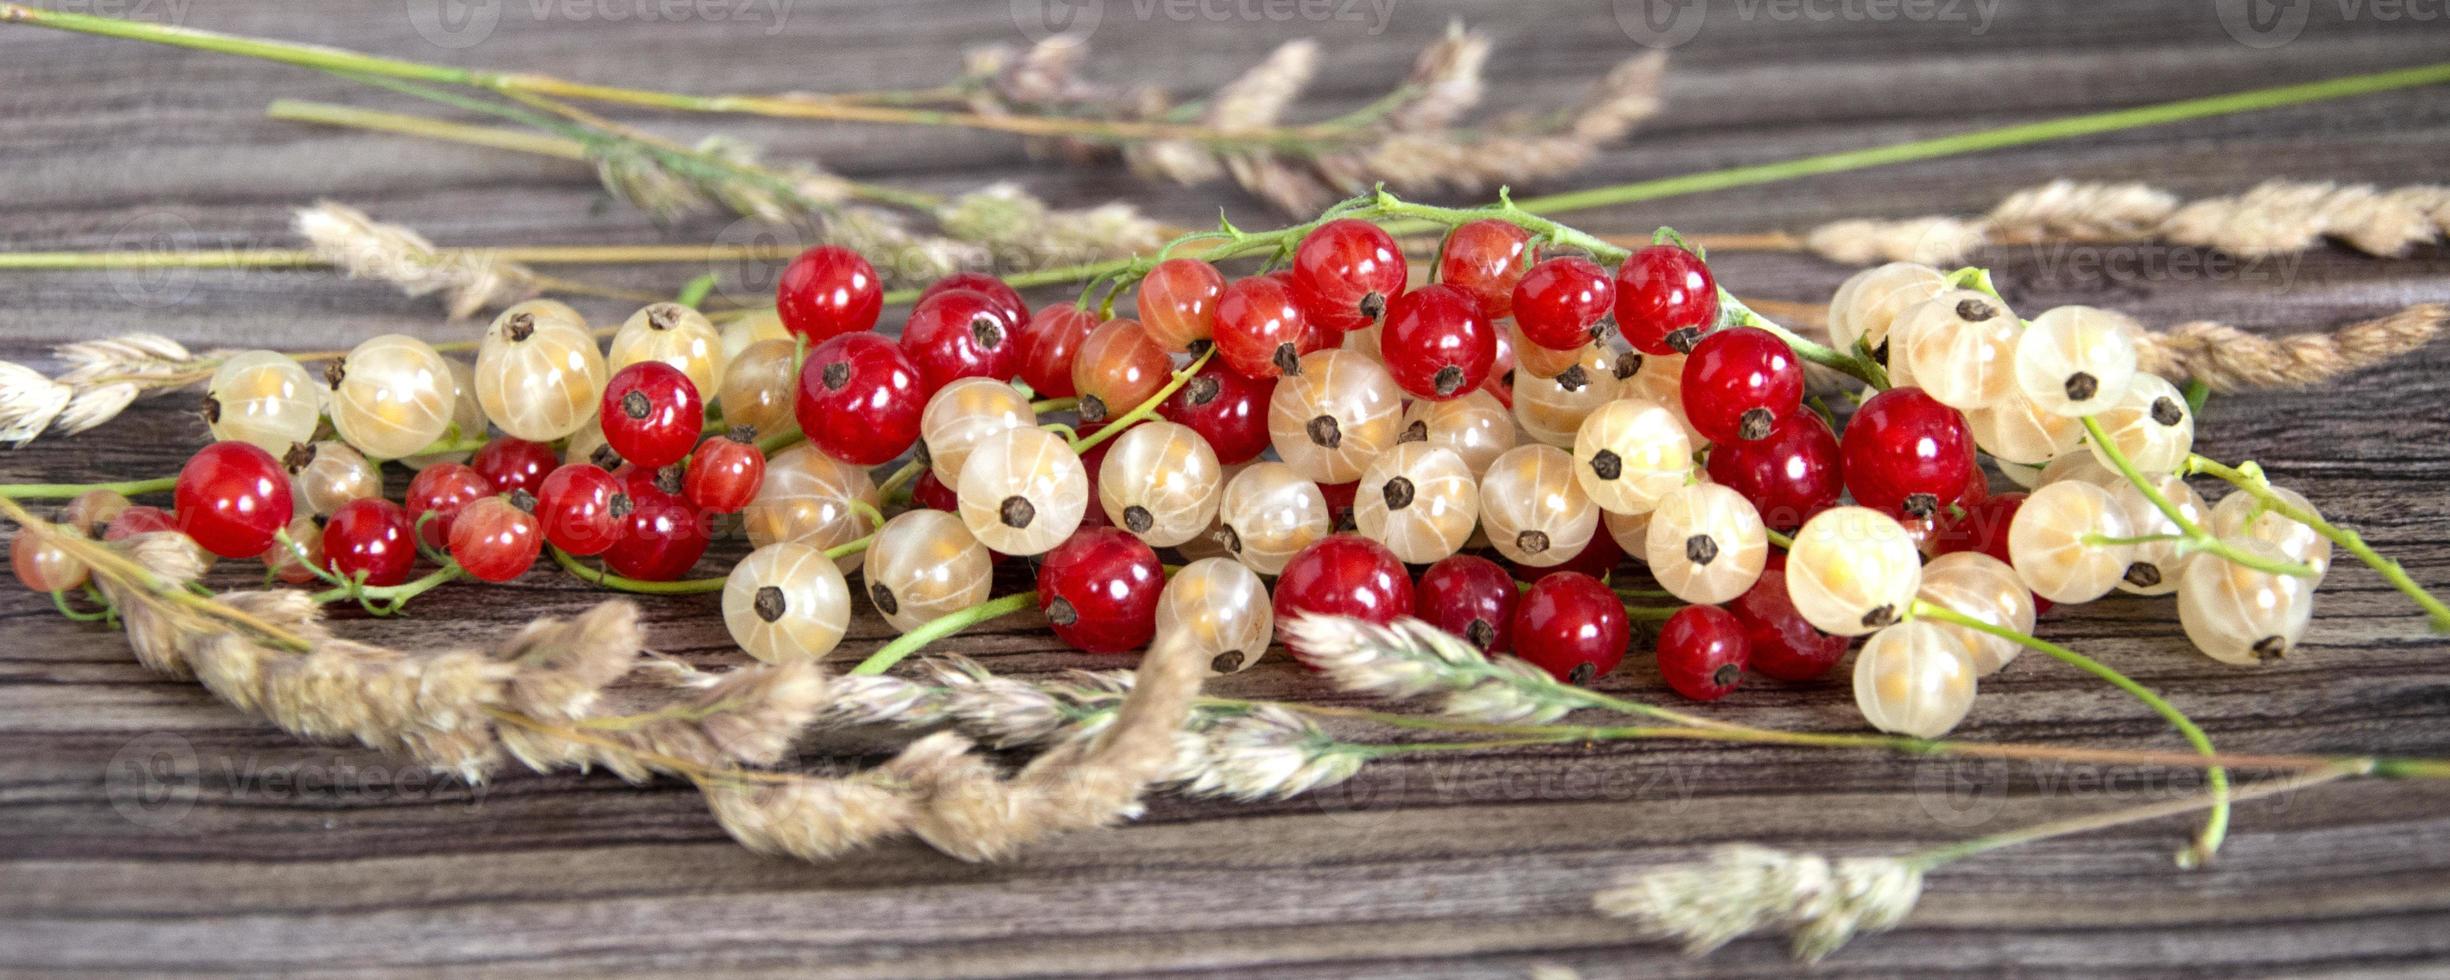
[
  {"x": 2230, "y": 359},
  {"x": 469, "y": 279},
  {"x": 1743, "y": 888}
]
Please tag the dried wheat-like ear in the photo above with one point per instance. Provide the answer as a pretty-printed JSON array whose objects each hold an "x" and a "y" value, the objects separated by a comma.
[
  {"x": 364, "y": 248},
  {"x": 746, "y": 716},
  {"x": 2226, "y": 358}
]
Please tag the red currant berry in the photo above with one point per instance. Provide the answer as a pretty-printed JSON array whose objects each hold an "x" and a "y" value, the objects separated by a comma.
[
  {"x": 1789, "y": 475},
  {"x": 724, "y": 475},
  {"x": 1485, "y": 258},
  {"x": 1117, "y": 368},
  {"x": 1471, "y": 597},
  {"x": 139, "y": 519},
  {"x": 1739, "y": 382},
  {"x": 961, "y": 334},
  {"x": 496, "y": 539},
  {"x": 1099, "y": 588},
  {"x": 515, "y": 464},
  {"x": 582, "y": 508},
  {"x": 651, "y": 414},
  {"x": 1047, "y": 345},
  {"x": 931, "y": 493},
  {"x": 1981, "y": 525},
  {"x": 1260, "y": 331},
  {"x": 1007, "y": 299},
  {"x": 1340, "y": 503},
  {"x": 370, "y": 536},
  {"x": 1227, "y": 408},
  {"x": 661, "y": 540},
  {"x": 1342, "y": 575},
  {"x": 1907, "y": 454},
  {"x": 232, "y": 498},
  {"x": 828, "y": 291},
  {"x": 1571, "y": 626},
  {"x": 1783, "y": 645},
  {"x": 860, "y": 399},
  {"x": 1665, "y": 299},
  {"x": 1563, "y": 303},
  {"x": 442, "y": 490},
  {"x": 1177, "y": 303},
  {"x": 1346, "y": 273},
  {"x": 1437, "y": 343},
  {"x": 1702, "y": 652}
]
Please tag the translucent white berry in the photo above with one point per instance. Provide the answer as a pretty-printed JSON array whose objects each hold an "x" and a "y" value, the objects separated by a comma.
[
  {"x": 2056, "y": 542},
  {"x": 1705, "y": 544},
  {"x": 2075, "y": 360},
  {"x": 786, "y": 601},
  {"x": 1630, "y": 454},
  {"x": 1985, "y": 588},
  {"x": 2239, "y": 615},
  {"x": 264, "y": 398},
  {"x": 1853, "y": 570},
  {"x": 1534, "y": 508},
  {"x": 1914, "y": 679},
  {"x": 1418, "y": 500}
]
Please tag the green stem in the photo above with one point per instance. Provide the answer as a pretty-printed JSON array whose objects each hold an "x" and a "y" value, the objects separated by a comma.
[
  {"x": 690, "y": 586},
  {"x": 2197, "y": 539},
  {"x": 2216, "y": 825},
  {"x": 1146, "y": 408},
  {"x": 939, "y": 628},
  {"x": 694, "y": 294},
  {"x": 1651, "y": 614},
  {"x": 2251, "y": 480},
  {"x": 2215, "y": 801},
  {"x": 1054, "y": 405},
  {"x": 62, "y": 491},
  {"x": 849, "y": 548},
  {"x": 387, "y": 600}
]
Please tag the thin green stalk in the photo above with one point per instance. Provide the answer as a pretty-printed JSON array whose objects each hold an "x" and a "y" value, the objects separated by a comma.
[
  {"x": 689, "y": 586},
  {"x": 940, "y": 627},
  {"x": 1147, "y": 408},
  {"x": 849, "y": 548},
  {"x": 388, "y": 600},
  {"x": 2249, "y": 478},
  {"x": 63, "y": 491},
  {"x": 2216, "y": 824},
  {"x": 2215, "y": 801},
  {"x": 2197, "y": 539}
]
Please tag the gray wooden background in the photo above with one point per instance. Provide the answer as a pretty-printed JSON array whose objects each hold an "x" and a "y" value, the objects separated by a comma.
[{"x": 272, "y": 855}]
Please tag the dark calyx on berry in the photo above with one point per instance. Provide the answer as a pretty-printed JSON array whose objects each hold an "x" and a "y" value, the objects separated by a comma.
[
  {"x": 1726, "y": 675},
  {"x": 663, "y": 316},
  {"x": 2165, "y": 410},
  {"x": 1606, "y": 465},
  {"x": 520, "y": 498},
  {"x": 1448, "y": 380},
  {"x": 1975, "y": 311},
  {"x": 621, "y": 505},
  {"x": 1226, "y": 536},
  {"x": 1755, "y": 424},
  {"x": 836, "y": 375},
  {"x": 1288, "y": 359},
  {"x": 1628, "y": 364},
  {"x": 1017, "y": 511},
  {"x": 1137, "y": 519},
  {"x": 883, "y": 597},
  {"x": 1372, "y": 305},
  {"x": 605, "y": 458},
  {"x": 742, "y": 434},
  {"x": 520, "y": 327},
  {"x": 335, "y": 373},
  {"x": 1418, "y": 431},
  {"x": 669, "y": 479},
  {"x": 1324, "y": 431},
  {"x": 636, "y": 405},
  {"x": 1092, "y": 408},
  {"x": 211, "y": 409},
  {"x": 1882, "y": 615},
  {"x": 300, "y": 456},
  {"x": 2271, "y": 647},
  {"x": 1200, "y": 348},
  {"x": 1203, "y": 389},
  {"x": 1532, "y": 542},
  {"x": 2082, "y": 386},
  {"x": 1920, "y": 505},
  {"x": 1061, "y": 613},
  {"x": 769, "y": 604},
  {"x": 1398, "y": 492},
  {"x": 987, "y": 331},
  {"x": 1481, "y": 632},
  {"x": 1227, "y": 662},
  {"x": 2143, "y": 575},
  {"x": 1701, "y": 549},
  {"x": 1582, "y": 673},
  {"x": 1573, "y": 378},
  {"x": 1683, "y": 339}
]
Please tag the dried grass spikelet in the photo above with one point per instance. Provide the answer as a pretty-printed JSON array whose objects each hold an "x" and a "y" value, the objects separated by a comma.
[
  {"x": 29, "y": 402},
  {"x": 1268, "y": 753},
  {"x": 745, "y": 716},
  {"x": 1010, "y": 221},
  {"x": 1744, "y": 888},
  {"x": 2067, "y": 210},
  {"x": 1409, "y": 658},
  {"x": 470, "y": 280},
  {"x": 103, "y": 378},
  {"x": 2226, "y": 358},
  {"x": 1935, "y": 240}
]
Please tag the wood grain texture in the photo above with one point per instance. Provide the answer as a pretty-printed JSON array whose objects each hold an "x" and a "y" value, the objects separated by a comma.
[{"x": 258, "y": 854}]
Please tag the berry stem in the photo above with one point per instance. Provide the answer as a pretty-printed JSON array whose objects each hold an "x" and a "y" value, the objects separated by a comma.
[
  {"x": 2249, "y": 478},
  {"x": 940, "y": 627},
  {"x": 62, "y": 491},
  {"x": 2217, "y": 801},
  {"x": 1146, "y": 408},
  {"x": 687, "y": 586},
  {"x": 2197, "y": 539},
  {"x": 2216, "y": 824},
  {"x": 387, "y": 600}
]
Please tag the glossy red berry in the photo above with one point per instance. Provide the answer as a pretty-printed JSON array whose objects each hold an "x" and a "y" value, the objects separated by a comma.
[
  {"x": 1907, "y": 454},
  {"x": 1563, "y": 303},
  {"x": 582, "y": 509},
  {"x": 1739, "y": 382},
  {"x": 1006, "y": 298},
  {"x": 1665, "y": 299},
  {"x": 1099, "y": 588},
  {"x": 1471, "y": 597},
  {"x": 1346, "y": 273},
  {"x": 1438, "y": 343},
  {"x": 931, "y": 493},
  {"x": 1177, "y": 303},
  {"x": 1342, "y": 575},
  {"x": 1340, "y": 503},
  {"x": 1570, "y": 625},
  {"x": 961, "y": 333},
  {"x": 860, "y": 400},
  {"x": 496, "y": 539},
  {"x": 139, "y": 519},
  {"x": 1485, "y": 258},
  {"x": 1980, "y": 525},
  {"x": 828, "y": 291},
  {"x": 1227, "y": 408},
  {"x": 1117, "y": 368},
  {"x": 1047, "y": 346},
  {"x": 724, "y": 475},
  {"x": 373, "y": 537},
  {"x": 1783, "y": 645},
  {"x": 1702, "y": 652},
  {"x": 1260, "y": 330},
  {"x": 443, "y": 490},
  {"x": 1789, "y": 475},
  {"x": 661, "y": 539},
  {"x": 232, "y": 498},
  {"x": 515, "y": 464},
  {"x": 651, "y": 414}
]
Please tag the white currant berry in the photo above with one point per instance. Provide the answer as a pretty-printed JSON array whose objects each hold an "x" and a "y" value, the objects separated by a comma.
[
  {"x": 963, "y": 412},
  {"x": 539, "y": 375},
  {"x": 2240, "y": 615},
  {"x": 391, "y": 396},
  {"x": 263, "y": 398},
  {"x": 1706, "y": 544},
  {"x": 1220, "y": 607},
  {"x": 1977, "y": 585},
  {"x": 2015, "y": 430},
  {"x": 1852, "y": 570},
  {"x": 1023, "y": 491},
  {"x": 1534, "y": 508},
  {"x": 1631, "y": 531},
  {"x": 1477, "y": 426},
  {"x": 2150, "y": 425},
  {"x": 923, "y": 565},
  {"x": 2075, "y": 361},
  {"x": 1551, "y": 409},
  {"x": 1959, "y": 347},
  {"x": 327, "y": 474},
  {"x": 676, "y": 335},
  {"x": 1161, "y": 482},
  {"x": 1268, "y": 513},
  {"x": 812, "y": 499},
  {"x": 467, "y": 418},
  {"x": 786, "y": 601},
  {"x": 1870, "y": 301},
  {"x": 1334, "y": 415},
  {"x": 2055, "y": 542},
  {"x": 2241, "y": 515},
  {"x": 759, "y": 387},
  {"x": 1659, "y": 380},
  {"x": 1630, "y": 454},
  {"x": 749, "y": 330},
  {"x": 2154, "y": 567},
  {"x": 1914, "y": 679},
  {"x": 1418, "y": 500}
]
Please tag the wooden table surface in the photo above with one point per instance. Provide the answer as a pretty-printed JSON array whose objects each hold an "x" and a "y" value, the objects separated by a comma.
[{"x": 282, "y": 856}]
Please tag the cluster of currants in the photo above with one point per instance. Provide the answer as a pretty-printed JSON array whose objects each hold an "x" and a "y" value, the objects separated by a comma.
[{"x": 1545, "y": 407}]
